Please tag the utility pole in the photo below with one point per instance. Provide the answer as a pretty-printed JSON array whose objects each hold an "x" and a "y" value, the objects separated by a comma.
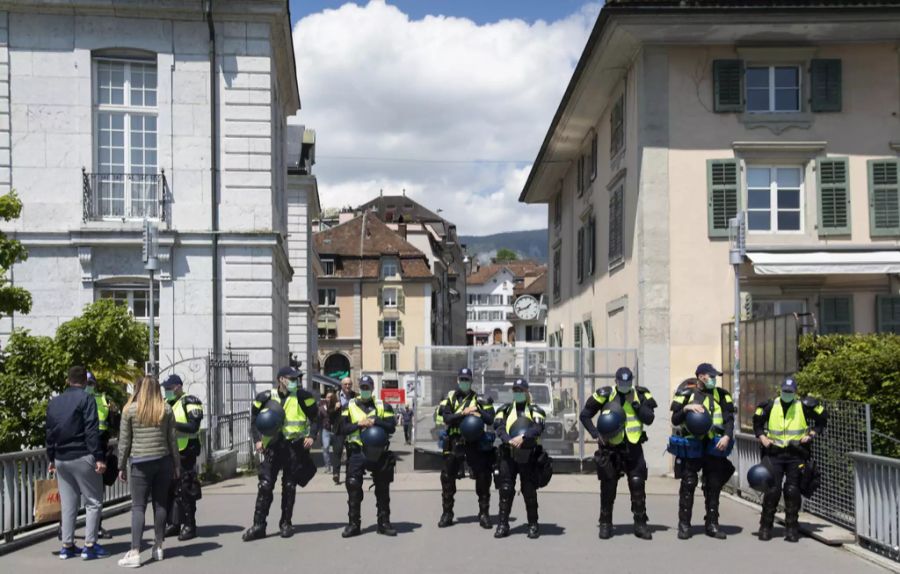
[
  {"x": 151, "y": 264},
  {"x": 738, "y": 238}
]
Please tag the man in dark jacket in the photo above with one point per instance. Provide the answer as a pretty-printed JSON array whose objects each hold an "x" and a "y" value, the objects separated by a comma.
[
  {"x": 185, "y": 491},
  {"x": 78, "y": 458}
]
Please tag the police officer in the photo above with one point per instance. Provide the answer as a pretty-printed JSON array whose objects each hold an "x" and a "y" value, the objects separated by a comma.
[
  {"x": 622, "y": 452},
  {"x": 701, "y": 395},
  {"x": 361, "y": 413},
  {"x": 184, "y": 491},
  {"x": 459, "y": 404},
  {"x": 518, "y": 454},
  {"x": 785, "y": 427},
  {"x": 108, "y": 417},
  {"x": 286, "y": 452}
]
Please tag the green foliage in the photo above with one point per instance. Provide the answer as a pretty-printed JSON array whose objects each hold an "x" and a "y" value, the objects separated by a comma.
[
  {"x": 12, "y": 299},
  {"x": 504, "y": 255},
  {"x": 864, "y": 368},
  {"x": 105, "y": 338}
]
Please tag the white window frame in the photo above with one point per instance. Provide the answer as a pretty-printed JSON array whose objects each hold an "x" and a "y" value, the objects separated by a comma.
[
  {"x": 773, "y": 199},
  {"x": 389, "y": 263},
  {"x": 385, "y": 363},
  {"x": 130, "y": 290},
  {"x": 325, "y": 264},
  {"x": 385, "y": 333},
  {"x": 773, "y": 89},
  {"x": 388, "y": 304},
  {"x": 330, "y": 295}
]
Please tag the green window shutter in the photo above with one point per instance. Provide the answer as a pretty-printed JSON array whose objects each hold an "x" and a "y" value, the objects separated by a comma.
[
  {"x": 728, "y": 85},
  {"x": 723, "y": 194},
  {"x": 381, "y": 330},
  {"x": 884, "y": 197},
  {"x": 401, "y": 301},
  {"x": 888, "y": 314},
  {"x": 400, "y": 331},
  {"x": 832, "y": 176},
  {"x": 577, "y": 335},
  {"x": 580, "y": 254},
  {"x": 825, "y": 89},
  {"x": 836, "y": 315},
  {"x": 381, "y": 297}
]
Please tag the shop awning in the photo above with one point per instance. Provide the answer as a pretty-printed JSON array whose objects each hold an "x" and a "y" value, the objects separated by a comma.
[{"x": 825, "y": 262}]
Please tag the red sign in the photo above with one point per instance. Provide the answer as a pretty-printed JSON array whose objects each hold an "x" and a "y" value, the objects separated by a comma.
[{"x": 394, "y": 396}]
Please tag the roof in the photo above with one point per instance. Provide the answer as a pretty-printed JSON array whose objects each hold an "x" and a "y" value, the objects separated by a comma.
[
  {"x": 518, "y": 269},
  {"x": 361, "y": 243},
  {"x": 537, "y": 287},
  {"x": 400, "y": 209}
]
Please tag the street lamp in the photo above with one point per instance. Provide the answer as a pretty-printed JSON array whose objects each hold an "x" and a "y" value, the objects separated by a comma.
[
  {"x": 151, "y": 264},
  {"x": 737, "y": 235}
]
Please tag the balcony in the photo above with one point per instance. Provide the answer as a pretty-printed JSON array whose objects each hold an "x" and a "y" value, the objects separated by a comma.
[{"x": 124, "y": 196}]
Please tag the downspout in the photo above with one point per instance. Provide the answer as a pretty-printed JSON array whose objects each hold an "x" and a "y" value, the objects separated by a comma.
[{"x": 214, "y": 177}]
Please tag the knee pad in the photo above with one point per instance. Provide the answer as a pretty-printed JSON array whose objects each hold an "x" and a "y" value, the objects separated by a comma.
[
  {"x": 689, "y": 479},
  {"x": 507, "y": 489},
  {"x": 636, "y": 481},
  {"x": 791, "y": 491},
  {"x": 265, "y": 485},
  {"x": 354, "y": 483}
]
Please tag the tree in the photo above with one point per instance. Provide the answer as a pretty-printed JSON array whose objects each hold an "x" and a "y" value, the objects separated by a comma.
[
  {"x": 505, "y": 255},
  {"x": 12, "y": 299}
]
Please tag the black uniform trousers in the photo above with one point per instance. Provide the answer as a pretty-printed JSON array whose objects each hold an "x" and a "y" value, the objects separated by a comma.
[
  {"x": 786, "y": 469},
  {"x": 184, "y": 492},
  {"x": 382, "y": 472},
  {"x": 507, "y": 471},
  {"x": 287, "y": 458},
  {"x": 716, "y": 472},
  {"x": 613, "y": 462},
  {"x": 457, "y": 452}
]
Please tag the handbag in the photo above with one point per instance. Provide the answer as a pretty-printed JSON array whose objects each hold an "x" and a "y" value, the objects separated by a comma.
[{"x": 47, "y": 506}]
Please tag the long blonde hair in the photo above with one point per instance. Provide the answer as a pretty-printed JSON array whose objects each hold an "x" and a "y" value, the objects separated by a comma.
[{"x": 149, "y": 400}]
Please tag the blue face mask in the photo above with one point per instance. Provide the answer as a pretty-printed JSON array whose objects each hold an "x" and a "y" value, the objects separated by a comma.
[
  {"x": 623, "y": 388},
  {"x": 465, "y": 386},
  {"x": 170, "y": 395},
  {"x": 711, "y": 383},
  {"x": 292, "y": 386},
  {"x": 365, "y": 394},
  {"x": 519, "y": 397},
  {"x": 788, "y": 397}
]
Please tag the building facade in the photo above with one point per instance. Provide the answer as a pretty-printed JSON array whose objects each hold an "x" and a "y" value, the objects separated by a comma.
[
  {"x": 113, "y": 113},
  {"x": 678, "y": 117},
  {"x": 493, "y": 294},
  {"x": 374, "y": 304}
]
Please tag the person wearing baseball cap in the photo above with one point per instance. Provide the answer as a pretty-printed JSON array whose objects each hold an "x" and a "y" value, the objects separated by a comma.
[
  {"x": 621, "y": 452},
  {"x": 785, "y": 427},
  {"x": 457, "y": 452},
  {"x": 361, "y": 414},
  {"x": 701, "y": 395},
  {"x": 286, "y": 452},
  {"x": 184, "y": 492}
]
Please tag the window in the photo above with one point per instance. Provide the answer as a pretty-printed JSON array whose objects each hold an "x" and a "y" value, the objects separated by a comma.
[
  {"x": 888, "y": 314},
  {"x": 327, "y": 297},
  {"x": 835, "y": 315},
  {"x": 594, "y": 157},
  {"x": 390, "y": 329},
  {"x": 535, "y": 333},
  {"x": 509, "y": 300},
  {"x": 557, "y": 274},
  {"x": 579, "y": 261},
  {"x": 587, "y": 175},
  {"x": 774, "y": 198},
  {"x": 125, "y": 115},
  {"x": 577, "y": 334},
  {"x": 328, "y": 267},
  {"x": 589, "y": 343},
  {"x": 590, "y": 241},
  {"x": 496, "y": 300},
  {"x": 471, "y": 316},
  {"x": 616, "y": 233},
  {"x": 773, "y": 89},
  {"x": 389, "y": 268},
  {"x": 557, "y": 210},
  {"x": 762, "y": 309},
  {"x": 136, "y": 299},
  {"x": 617, "y": 127},
  {"x": 389, "y": 362},
  {"x": 722, "y": 194},
  {"x": 389, "y": 297},
  {"x": 484, "y": 315},
  {"x": 884, "y": 198},
  {"x": 327, "y": 326},
  {"x": 580, "y": 175},
  {"x": 473, "y": 299}
]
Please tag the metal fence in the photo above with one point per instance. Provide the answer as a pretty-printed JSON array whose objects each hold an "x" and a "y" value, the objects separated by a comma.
[
  {"x": 18, "y": 471},
  {"x": 230, "y": 393},
  {"x": 848, "y": 430},
  {"x": 877, "y": 493}
]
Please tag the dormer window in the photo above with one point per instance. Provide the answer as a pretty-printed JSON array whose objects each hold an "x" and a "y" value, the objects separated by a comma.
[
  {"x": 328, "y": 267},
  {"x": 390, "y": 267}
]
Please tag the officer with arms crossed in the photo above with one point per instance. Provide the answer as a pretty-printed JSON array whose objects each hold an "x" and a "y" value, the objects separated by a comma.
[
  {"x": 620, "y": 451},
  {"x": 701, "y": 396},
  {"x": 287, "y": 451},
  {"x": 785, "y": 427},
  {"x": 368, "y": 425},
  {"x": 519, "y": 425},
  {"x": 459, "y": 449},
  {"x": 184, "y": 492}
]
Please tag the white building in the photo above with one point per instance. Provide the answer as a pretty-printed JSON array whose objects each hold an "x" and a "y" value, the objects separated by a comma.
[
  {"x": 493, "y": 291},
  {"x": 112, "y": 112}
]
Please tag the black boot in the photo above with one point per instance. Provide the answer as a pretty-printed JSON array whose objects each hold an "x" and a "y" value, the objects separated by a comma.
[
  {"x": 534, "y": 531},
  {"x": 503, "y": 517},
  {"x": 531, "y": 511},
  {"x": 255, "y": 532},
  {"x": 354, "y": 515},
  {"x": 639, "y": 510},
  {"x": 607, "y": 500},
  {"x": 684, "y": 531},
  {"x": 258, "y": 530},
  {"x": 711, "y": 519},
  {"x": 384, "y": 524},
  {"x": 483, "y": 489},
  {"x": 172, "y": 530},
  {"x": 285, "y": 529},
  {"x": 383, "y": 504},
  {"x": 686, "y": 505},
  {"x": 188, "y": 532},
  {"x": 767, "y": 517},
  {"x": 484, "y": 514},
  {"x": 288, "y": 496},
  {"x": 765, "y": 533},
  {"x": 792, "y": 500},
  {"x": 447, "y": 508}
]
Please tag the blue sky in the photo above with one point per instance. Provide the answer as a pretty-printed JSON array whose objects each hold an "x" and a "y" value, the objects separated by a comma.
[{"x": 479, "y": 11}]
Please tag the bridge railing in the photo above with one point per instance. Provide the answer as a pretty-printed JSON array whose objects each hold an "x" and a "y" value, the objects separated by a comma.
[
  {"x": 877, "y": 493},
  {"x": 18, "y": 471}
]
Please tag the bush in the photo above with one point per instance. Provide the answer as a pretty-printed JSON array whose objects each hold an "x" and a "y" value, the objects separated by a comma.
[{"x": 863, "y": 368}]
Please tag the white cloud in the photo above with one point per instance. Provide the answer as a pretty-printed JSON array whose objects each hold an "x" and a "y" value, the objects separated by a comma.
[{"x": 376, "y": 84}]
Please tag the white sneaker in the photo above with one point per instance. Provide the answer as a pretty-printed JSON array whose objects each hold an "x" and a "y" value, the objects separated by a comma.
[
  {"x": 157, "y": 553},
  {"x": 131, "y": 560}
]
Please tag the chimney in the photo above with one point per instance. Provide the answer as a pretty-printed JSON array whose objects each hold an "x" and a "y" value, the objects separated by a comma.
[{"x": 401, "y": 230}]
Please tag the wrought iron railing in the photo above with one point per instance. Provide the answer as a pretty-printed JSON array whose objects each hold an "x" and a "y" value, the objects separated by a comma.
[{"x": 124, "y": 196}]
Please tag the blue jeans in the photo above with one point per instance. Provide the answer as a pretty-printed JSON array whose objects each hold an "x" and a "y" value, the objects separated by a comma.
[{"x": 327, "y": 436}]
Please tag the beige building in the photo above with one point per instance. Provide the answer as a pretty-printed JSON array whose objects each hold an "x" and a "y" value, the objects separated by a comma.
[
  {"x": 375, "y": 302},
  {"x": 680, "y": 115}
]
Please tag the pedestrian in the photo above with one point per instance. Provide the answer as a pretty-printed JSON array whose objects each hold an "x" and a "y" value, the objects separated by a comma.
[
  {"x": 406, "y": 417},
  {"x": 360, "y": 416},
  {"x": 459, "y": 451},
  {"x": 344, "y": 397},
  {"x": 286, "y": 451},
  {"x": 327, "y": 406},
  {"x": 620, "y": 451},
  {"x": 185, "y": 492},
  {"x": 785, "y": 428},
  {"x": 148, "y": 449},
  {"x": 78, "y": 459},
  {"x": 700, "y": 395},
  {"x": 108, "y": 418},
  {"x": 519, "y": 425}
]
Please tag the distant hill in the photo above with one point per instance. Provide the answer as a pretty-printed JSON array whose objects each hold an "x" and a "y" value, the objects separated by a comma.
[{"x": 528, "y": 244}]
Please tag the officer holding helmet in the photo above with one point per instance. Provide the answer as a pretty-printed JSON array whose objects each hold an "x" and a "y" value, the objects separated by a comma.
[
  {"x": 286, "y": 451},
  {"x": 519, "y": 425},
  {"x": 368, "y": 423},
  {"x": 466, "y": 445},
  {"x": 786, "y": 427},
  {"x": 620, "y": 451},
  {"x": 184, "y": 492},
  {"x": 700, "y": 396}
]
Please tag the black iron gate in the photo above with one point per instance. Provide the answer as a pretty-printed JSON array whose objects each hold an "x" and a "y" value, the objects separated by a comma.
[{"x": 229, "y": 392}]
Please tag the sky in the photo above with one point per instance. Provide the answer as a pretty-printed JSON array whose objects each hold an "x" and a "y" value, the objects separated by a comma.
[{"x": 448, "y": 100}]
